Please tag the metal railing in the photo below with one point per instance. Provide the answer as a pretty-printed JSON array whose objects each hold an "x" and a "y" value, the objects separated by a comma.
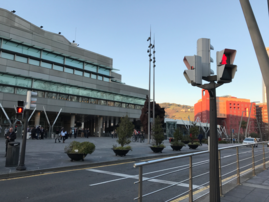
[{"x": 191, "y": 165}]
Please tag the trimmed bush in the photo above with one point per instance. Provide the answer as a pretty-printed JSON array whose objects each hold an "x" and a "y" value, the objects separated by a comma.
[{"x": 80, "y": 148}]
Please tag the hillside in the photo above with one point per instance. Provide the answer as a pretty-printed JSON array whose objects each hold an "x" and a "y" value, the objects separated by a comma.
[{"x": 177, "y": 111}]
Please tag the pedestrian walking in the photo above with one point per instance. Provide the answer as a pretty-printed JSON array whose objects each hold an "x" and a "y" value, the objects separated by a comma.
[
  {"x": 42, "y": 133},
  {"x": 57, "y": 135},
  {"x": 37, "y": 132},
  {"x": 200, "y": 137},
  {"x": 75, "y": 133},
  {"x": 10, "y": 137},
  {"x": 63, "y": 134}
]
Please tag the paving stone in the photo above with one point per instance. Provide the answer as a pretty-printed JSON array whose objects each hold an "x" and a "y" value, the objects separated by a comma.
[{"x": 232, "y": 198}]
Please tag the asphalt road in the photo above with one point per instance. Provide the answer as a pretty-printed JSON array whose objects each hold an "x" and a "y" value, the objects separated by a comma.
[{"x": 116, "y": 182}]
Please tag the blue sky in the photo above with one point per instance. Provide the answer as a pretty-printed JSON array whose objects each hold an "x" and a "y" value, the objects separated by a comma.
[{"x": 119, "y": 29}]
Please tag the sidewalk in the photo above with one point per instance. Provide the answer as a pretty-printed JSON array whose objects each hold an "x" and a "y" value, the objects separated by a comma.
[
  {"x": 254, "y": 189},
  {"x": 46, "y": 154}
]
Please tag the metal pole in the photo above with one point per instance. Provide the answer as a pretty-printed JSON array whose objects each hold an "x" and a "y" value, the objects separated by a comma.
[
  {"x": 240, "y": 127},
  {"x": 31, "y": 115},
  {"x": 140, "y": 184},
  {"x": 6, "y": 115},
  {"x": 246, "y": 132},
  {"x": 154, "y": 82},
  {"x": 264, "y": 165},
  {"x": 253, "y": 161},
  {"x": 21, "y": 165},
  {"x": 213, "y": 154},
  {"x": 238, "y": 166},
  {"x": 258, "y": 44},
  {"x": 220, "y": 180},
  {"x": 149, "y": 90},
  {"x": 190, "y": 180}
]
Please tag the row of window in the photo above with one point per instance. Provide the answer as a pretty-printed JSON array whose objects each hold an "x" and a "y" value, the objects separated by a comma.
[
  {"x": 42, "y": 85},
  {"x": 53, "y": 57},
  {"x": 52, "y": 66},
  {"x": 72, "y": 98}
]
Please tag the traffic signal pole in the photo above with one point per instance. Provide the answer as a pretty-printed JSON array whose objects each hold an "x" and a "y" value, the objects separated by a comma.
[
  {"x": 214, "y": 189},
  {"x": 21, "y": 165}
]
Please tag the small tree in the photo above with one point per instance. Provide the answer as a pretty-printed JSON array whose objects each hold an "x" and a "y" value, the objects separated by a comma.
[
  {"x": 125, "y": 131},
  {"x": 177, "y": 137},
  {"x": 158, "y": 134},
  {"x": 243, "y": 125},
  {"x": 194, "y": 131}
]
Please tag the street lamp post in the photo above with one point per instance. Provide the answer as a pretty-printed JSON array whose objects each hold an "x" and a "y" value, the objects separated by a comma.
[
  {"x": 154, "y": 60},
  {"x": 149, "y": 51}
]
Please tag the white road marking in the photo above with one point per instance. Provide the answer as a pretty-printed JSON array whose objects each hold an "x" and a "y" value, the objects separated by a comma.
[{"x": 126, "y": 176}]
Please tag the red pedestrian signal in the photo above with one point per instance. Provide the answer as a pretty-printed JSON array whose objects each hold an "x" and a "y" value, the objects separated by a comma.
[
  {"x": 19, "y": 110},
  {"x": 224, "y": 60}
]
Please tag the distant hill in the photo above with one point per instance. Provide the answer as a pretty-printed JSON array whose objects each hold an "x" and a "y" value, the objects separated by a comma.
[{"x": 177, "y": 111}]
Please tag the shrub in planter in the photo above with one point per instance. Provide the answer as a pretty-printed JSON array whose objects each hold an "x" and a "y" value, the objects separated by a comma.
[
  {"x": 194, "y": 130},
  {"x": 158, "y": 136},
  {"x": 78, "y": 151},
  {"x": 177, "y": 144},
  {"x": 124, "y": 131}
]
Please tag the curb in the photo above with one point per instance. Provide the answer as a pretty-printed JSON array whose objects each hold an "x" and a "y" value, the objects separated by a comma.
[{"x": 67, "y": 168}]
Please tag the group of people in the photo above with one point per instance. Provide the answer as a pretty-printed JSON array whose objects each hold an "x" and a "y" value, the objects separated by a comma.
[
  {"x": 38, "y": 132},
  {"x": 138, "y": 135}
]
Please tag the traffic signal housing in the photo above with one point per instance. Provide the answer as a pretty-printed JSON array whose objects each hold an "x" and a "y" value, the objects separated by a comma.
[
  {"x": 194, "y": 66},
  {"x": 203, "y": 50},
  {"x": 31, "y": 99},
  {"x": 225, "y": 67}
]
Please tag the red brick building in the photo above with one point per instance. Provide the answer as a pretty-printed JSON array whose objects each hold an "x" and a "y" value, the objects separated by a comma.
[
  {"x": 262, "y": 116},
  {"x": 229, "y": 112}
]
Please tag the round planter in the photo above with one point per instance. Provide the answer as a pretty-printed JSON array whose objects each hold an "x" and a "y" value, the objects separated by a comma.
[
  {"x": 186, "y": 142},
  {"x": 77, "y": 157},
  {"x": 119, "y": 152},
  {"x": 157, "y": 149},
  {"x": 176, "y": 148},
  {"x": 193, "y": 146}
]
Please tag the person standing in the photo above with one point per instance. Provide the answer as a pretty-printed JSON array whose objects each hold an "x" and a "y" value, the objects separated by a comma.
[
  {"x": 10, "y": 137},
  {"x": 63, "y": 134},
  {"x": 57, "y": 136},
  {"x": 42, "y": 133},
  {"x": 33, "y": 133},
  {"x": 75, "y": 133},
  {"x": 37, "y": 132},
  {"x": 200, "y": 137}
]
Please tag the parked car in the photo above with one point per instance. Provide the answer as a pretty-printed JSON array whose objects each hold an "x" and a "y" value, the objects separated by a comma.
[{"x": 250, "y": 141}]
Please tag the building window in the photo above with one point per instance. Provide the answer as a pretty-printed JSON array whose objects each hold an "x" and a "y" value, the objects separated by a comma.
[
  {"x": 52, "y": 57},
  {"x": 117, "y": 104},
  {"x": 93, "y": 76},
  {"x": 93, "y": 101},
  {"x": 100, "y": 78},
  {"x": 101, "y": 102},
  {"x": 68, "y": 70},
  {"x": 40, "y": 94},
  {"x": 74, "y": 98},
  {"x": 74, "y": 63},
  {"x": 19, "y": 48},
  {"x": 103, "y": 71},
  {"x": 57, "y": 67},
  {"x": 33, "y": 62},
  {"x": 7, "y": 89},
  {"x": 21, "y": 59},
  {"x": 7, "y": 56},
  {"x": 85, "y": 100},
  {"x": 131, "y": 106},
  {"x": 52, "y": 95},
  {"x": 63, "y": 97},
  {"x": 90, "y": 67},
  {"x": 78, "y": 72},
  {"x": 110, "y": 103},
  {"x": 86, "y": 74},
  {"x": 21, "y": 91},
  {"x": 46, "y": 65}
]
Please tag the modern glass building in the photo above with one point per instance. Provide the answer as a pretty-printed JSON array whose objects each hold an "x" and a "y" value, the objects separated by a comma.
[{"x": 64, "y": 75}]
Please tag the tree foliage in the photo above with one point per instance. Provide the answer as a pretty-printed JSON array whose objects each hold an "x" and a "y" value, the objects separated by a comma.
[
  {"x": 125, "y": 131},
  {"x": 158, "y": 134},
  {"x": 177, "y": 137},
  {"x": 194, "y": 131}
]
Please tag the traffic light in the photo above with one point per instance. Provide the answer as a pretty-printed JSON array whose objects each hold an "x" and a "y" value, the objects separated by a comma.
[
  {"x": 31, "y": 99},
  {"x": 19, "y": 110},
  {"x": 225, "y": 67},
  {"x": 203, "y": 50},
  {"x": 194, "y": 66}
]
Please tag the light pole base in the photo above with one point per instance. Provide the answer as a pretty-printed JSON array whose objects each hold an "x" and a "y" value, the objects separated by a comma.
[{"x": 21, "y": 168}]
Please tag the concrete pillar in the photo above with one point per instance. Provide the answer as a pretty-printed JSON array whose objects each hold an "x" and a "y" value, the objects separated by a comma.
[
  {"x": 72, "y": 121},
  {"x": 99, "y": 126},
  {"x": 37, "y": 119}
]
